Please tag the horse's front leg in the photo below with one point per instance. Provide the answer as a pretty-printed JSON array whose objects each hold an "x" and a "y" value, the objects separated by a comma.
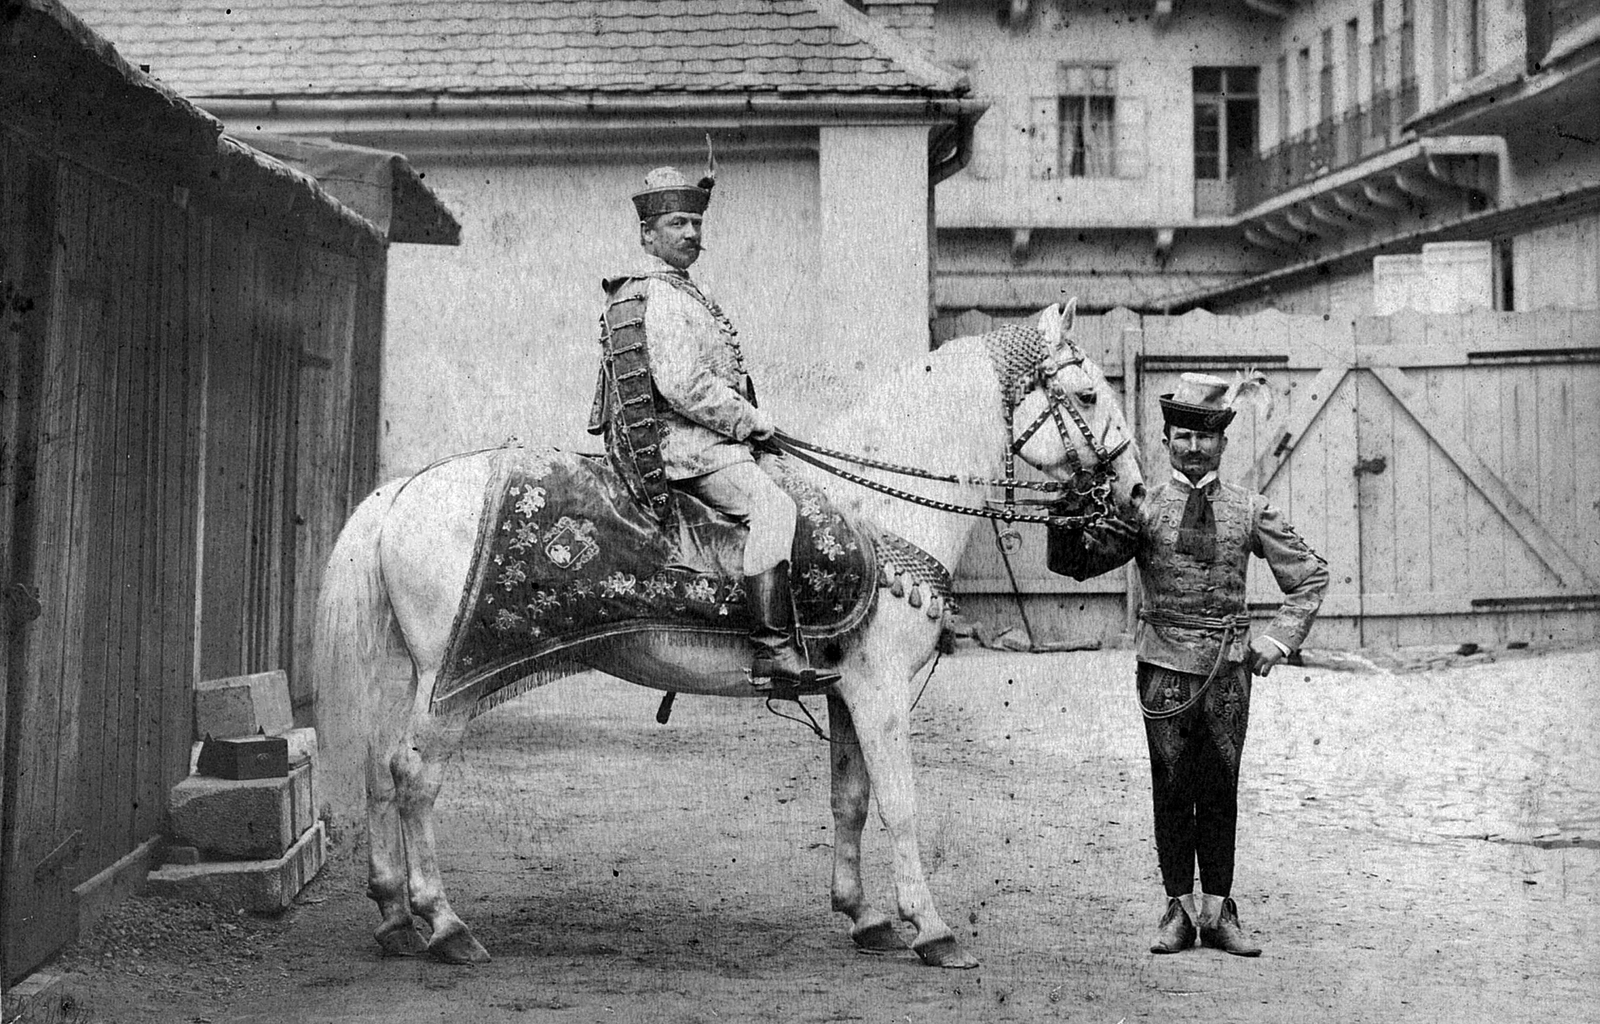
[
  {"x": 882, "y": 728},
  {"x": 417, "y": 765},
  {"x": 870, "y": 928}
]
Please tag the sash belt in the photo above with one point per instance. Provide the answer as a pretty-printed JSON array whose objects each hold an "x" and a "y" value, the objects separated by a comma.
[{"x": 1230, "y": 626}]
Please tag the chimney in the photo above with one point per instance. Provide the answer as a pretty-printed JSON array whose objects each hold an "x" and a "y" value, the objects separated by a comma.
[{"x": 911, "y": 19}]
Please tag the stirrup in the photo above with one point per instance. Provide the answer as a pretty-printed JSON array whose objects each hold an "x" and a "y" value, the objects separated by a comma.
[{"x": 779, "y": 688}]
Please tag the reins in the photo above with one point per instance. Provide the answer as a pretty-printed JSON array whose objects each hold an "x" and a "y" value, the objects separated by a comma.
[{"x": 1097, "y": 489}]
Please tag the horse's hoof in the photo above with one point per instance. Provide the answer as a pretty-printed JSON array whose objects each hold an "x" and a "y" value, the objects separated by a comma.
[
  {"x": 401, "y": 939},
  {"x": 946, "y": 953},
  {"x": 879, "y": 938},
  {"x": 457, "y": 947}
]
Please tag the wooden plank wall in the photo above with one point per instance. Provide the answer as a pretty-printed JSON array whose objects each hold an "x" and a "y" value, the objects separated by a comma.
[{"x": 181, "y": 404}]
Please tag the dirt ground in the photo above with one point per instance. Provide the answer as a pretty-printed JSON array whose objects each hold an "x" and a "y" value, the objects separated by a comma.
[{"x": 1420, "y": 840}]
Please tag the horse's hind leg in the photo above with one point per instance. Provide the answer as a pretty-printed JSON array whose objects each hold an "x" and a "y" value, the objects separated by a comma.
[
  {"x": 870, "y": 928},
  {"x": 386, "y": 862},
  {"x": 417, "y": 766}
]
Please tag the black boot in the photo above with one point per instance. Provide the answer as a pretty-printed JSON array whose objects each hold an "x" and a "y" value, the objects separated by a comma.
[
  {"x": 1176, "y": 931},
  {"x": 780, "y": 665}
]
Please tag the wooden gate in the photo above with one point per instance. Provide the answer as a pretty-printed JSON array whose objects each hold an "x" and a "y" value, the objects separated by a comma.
[{"x": 1447, "y": 466}]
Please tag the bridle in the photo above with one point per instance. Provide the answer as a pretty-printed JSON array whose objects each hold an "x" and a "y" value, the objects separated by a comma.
[{"x": 1087, "y": 494}]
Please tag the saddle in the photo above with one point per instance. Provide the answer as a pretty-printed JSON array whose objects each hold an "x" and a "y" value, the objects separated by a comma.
[{"x": 567, "y": 556}]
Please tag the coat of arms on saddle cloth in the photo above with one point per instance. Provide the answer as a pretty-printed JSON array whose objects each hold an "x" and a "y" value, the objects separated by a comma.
[{"x": 566, "y": 557}]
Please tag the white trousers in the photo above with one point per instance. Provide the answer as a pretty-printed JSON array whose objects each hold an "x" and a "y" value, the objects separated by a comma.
[{"x": 744, "y": 492}]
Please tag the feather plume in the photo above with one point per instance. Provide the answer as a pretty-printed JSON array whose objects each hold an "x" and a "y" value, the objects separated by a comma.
[{"x": 1250, "y": 385}]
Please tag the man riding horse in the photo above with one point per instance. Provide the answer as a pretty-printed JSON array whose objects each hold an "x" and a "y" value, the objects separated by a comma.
[{"x": 678, "y": 410}]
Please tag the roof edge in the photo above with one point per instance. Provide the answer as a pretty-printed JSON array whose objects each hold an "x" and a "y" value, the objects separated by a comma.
[{"x": 935, "y": 76}]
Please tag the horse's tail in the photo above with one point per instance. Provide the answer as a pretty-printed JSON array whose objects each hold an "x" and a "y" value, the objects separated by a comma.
[{"x": 354, "y": 636}]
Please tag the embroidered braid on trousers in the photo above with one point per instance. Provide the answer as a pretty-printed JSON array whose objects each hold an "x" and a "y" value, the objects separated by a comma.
[{"x": 1194, "y": 774}]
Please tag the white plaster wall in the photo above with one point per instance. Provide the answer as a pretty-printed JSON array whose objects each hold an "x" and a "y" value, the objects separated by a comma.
[
  {"x": 498, "y": 337},
  {"x": 1154, "y": 62},
  {"x": 875, "y": 235}
]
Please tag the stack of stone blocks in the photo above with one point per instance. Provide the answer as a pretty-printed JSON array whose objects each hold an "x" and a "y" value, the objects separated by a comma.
[{"x": 249, "y": 844}]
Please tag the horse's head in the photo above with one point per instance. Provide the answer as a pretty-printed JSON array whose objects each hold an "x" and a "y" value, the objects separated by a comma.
[{"x": 1067, "y": 420}]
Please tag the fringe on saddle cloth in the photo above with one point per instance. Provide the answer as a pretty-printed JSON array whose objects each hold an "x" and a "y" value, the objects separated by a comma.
[{"x": 566, "y": 558}]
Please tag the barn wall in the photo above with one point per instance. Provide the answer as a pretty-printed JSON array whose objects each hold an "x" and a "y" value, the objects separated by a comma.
[{"x": 181, "y": 406}]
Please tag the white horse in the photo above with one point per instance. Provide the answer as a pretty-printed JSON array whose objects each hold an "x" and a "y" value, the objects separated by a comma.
[{"x": 395, "y": 579}]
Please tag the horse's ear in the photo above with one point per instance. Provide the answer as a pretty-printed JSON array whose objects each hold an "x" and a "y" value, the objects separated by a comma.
[
  {"x": 1069, "y": 316},
  {"x": 1050, "y": 326}
]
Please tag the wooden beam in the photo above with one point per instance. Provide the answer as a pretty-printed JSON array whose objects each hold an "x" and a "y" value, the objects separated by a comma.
[
  {"x": 1284, "y": 438},
  {"x": 1549, "y": 550},
  {"x": 1381, "y": 197},
  {"x": 1261, "y": 240},
  {"x": 1288, "y": 234},
  {"x": 1326, "y": 217},
  {"x": 1299, "y": 223},
  {"x": 1360, "y": 209}
]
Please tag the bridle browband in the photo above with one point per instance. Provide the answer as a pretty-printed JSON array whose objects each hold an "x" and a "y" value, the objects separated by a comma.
[{"x": 1094, "y": 492}]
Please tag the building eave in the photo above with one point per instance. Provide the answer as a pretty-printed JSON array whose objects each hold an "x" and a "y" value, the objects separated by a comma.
[{"x": 1493, "y": 223}]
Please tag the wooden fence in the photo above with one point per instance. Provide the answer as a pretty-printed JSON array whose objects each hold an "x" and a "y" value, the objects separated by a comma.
[{"x": 1448, "y": 467}]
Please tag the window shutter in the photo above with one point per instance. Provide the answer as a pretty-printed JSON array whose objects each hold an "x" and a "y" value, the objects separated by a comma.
[
  {"x": 1131, "y": 132},
  {"x": 1044, "y": 138}
]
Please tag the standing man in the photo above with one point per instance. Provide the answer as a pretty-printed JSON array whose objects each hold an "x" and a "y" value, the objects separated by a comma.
[
  {"x": 685, "y": 416},
  {"x": 1196, "y": 655}
]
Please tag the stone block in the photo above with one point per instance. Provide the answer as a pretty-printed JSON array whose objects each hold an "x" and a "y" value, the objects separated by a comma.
[
  {"x": 243, "y": 706},
  {"x": 302, "y": 747},
  {"x": 245, "y": 818},
  {"x": 302, "y": 744},
  {"x": 47, "y": 998},
  {"x": 259, "y": 886}
]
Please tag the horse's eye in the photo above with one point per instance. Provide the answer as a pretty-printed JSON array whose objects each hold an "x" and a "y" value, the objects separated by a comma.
[{"x": 1088, "y": 395}]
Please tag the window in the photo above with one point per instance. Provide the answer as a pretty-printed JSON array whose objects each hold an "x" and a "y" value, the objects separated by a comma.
[
  {"x": 1305, "y": 87},
  {"x": 1408, "y": 41},
  {"x": 1352, "y": 63},
  {"x": 1379, "y": 61},
  {"x": 1087, "y": 116},
  {"x": 1283, "y": 97},
  {"x": 1086, "y": 130},
  {"x": 1226, "y": 110},
  {"x": 1325, "y": 78}
]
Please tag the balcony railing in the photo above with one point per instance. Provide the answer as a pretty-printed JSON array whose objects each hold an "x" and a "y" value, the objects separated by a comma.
[{"x": 1335, "y": 143}]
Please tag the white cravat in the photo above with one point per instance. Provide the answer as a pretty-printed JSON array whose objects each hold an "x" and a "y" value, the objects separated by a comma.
[{"x": 1199, "y": 485}]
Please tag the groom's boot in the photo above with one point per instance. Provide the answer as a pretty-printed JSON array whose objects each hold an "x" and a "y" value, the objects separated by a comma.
[
  {"x": 1176, "y": 932},
  {"x": 1220, "y": 929},
  {"x": 780, "y": 665}
]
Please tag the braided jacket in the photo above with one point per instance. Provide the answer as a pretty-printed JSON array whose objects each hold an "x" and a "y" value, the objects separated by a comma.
[
  {"x": 697, "y": 368},
  {"x": 1178, "y": 586}
]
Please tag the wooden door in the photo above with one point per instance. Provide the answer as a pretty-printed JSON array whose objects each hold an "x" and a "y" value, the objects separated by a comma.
[{"x": 1479, "y": 475}]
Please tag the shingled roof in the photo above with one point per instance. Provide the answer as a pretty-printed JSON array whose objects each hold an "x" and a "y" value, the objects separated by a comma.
[{"x": 363, "y": 48}]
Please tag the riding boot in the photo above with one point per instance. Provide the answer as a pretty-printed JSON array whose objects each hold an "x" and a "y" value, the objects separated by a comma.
[
  {"x": 780, "y": 665},
  {"x": 1176, "y": 931},
  {"x": 1220, "y": 928}
]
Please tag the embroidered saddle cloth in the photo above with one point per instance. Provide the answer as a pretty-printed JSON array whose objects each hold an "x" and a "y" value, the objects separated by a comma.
[{"x": 565, "y": 557}]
